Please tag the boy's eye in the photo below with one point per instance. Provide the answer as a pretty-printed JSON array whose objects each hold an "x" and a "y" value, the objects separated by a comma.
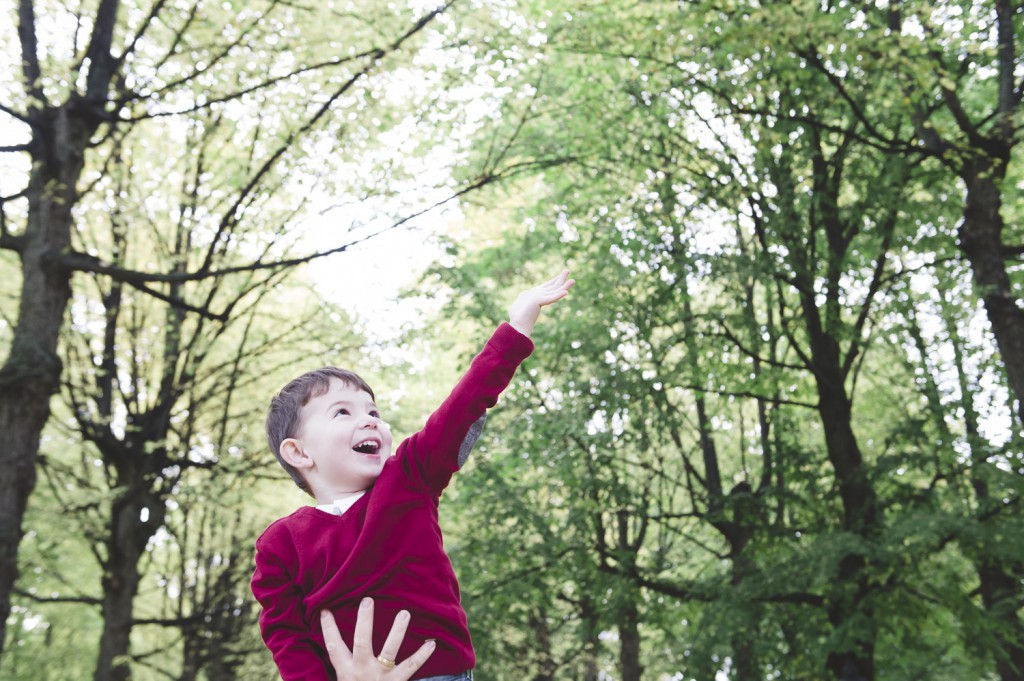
[
  {"x": 341, "y": 412},
  {"x": 375, "y": 414}
]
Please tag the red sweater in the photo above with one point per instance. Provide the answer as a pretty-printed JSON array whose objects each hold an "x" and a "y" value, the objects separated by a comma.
[{"x": 387, "y": 546}]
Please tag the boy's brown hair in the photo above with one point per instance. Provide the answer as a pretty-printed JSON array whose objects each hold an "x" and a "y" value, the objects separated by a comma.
[{"x": 283, "y": 419}]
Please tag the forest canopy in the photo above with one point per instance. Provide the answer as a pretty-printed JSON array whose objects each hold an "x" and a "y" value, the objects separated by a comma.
[{"x": 776, "y": 432}]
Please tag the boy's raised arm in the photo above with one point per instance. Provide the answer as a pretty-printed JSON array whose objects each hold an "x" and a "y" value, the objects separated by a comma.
[
  {"x": 431, "y": 454},
  {"x": 525, "y": 310}
]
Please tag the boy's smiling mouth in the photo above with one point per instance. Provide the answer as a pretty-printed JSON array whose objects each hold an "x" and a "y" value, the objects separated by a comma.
[{"x": 368, "y": 446}]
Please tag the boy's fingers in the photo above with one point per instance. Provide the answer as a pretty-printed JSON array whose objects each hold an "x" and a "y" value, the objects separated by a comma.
[
  {"x": 553, "y": 280},
  {"x": 557, "y": 293},
  {"x": 557, "y": 279},
  {"x": 556, "y": 285},
  {"x": 562, "y": 276}
]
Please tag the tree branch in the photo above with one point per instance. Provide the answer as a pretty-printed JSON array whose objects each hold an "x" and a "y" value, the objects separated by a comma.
[
  {"x": 373, "y": 55},
  {"x": 812, "y": 57},
  {"x": 17, "y": 115},
  {"x": 29, "y": 49},
  {"x": 173, "y": 622},
  {"x": 963, "y": 121},
  {"x": 231, "y": 215},
  {"x": 10, "y": 241},
  {"x": 153, "y": 12},
  {"x": 82, "y": 262},
  {"x": 773, "y": 400},
  {"x": 180, "y": 303},
  {"x": 101, "y": 60},
  {"x": 85, "y": 600},
  {"x": 729, "y": 335},
  {"x": 179, "y": 35},
  {"x": 1007, "y": 65},
  {"x": 873, "y": 288},
  {"x": 244, "y": 33}
]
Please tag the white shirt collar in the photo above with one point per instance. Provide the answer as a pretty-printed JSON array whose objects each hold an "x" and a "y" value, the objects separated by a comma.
[{"x": 339, "y": 506}]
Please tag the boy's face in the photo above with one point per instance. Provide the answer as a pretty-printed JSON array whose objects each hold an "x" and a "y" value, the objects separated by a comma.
[{"x": 342, "y": 441}]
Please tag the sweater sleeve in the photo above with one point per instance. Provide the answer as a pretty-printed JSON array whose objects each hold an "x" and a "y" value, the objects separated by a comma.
[
  {"x": 432, "y": 454},
  {"x": 296, "y": 652}
]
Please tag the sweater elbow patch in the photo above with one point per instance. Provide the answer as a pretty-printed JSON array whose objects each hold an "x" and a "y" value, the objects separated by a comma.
[{"x": 470, "y": 440}]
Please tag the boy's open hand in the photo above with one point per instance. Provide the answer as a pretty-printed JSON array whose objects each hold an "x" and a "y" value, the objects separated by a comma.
[{"x": 523, "y": 313}]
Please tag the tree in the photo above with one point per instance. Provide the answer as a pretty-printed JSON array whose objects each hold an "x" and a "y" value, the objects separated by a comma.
[
  {"x": 132, "y": 69},
  {"x": 161, "y": 502},
  {"x": 824, "y": 210}
]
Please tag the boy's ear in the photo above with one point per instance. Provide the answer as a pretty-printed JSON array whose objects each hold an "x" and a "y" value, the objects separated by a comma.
[{"x": 294, "y": 455}]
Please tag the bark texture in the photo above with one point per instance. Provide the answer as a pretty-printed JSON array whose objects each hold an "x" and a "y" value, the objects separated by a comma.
[{"x": 30, "y": 374}]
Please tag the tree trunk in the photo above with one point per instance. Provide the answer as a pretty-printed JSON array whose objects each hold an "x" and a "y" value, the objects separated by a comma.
[
  {"x": 629, "y": 639},
  {"x": 982, "y": 243},
  {"x": 1000, "y": 590},
  {"x": 746, "y": 666},
  {"x": 860, "y": 514},
  {"x": 546, "y": 666},
  {"x": 129, "y": 534},
  {"x": 190, "y": 669},
  {"x": 31, "y": 372},
  {"x": 746, "y": 633},
  {"x": 591, "y": 638},
  {"x": 981, "y": 240},
  {"x": 1000, "y": 594},
  {"x": 30, "y": 375},
  {"x": 738, "y": 530}
]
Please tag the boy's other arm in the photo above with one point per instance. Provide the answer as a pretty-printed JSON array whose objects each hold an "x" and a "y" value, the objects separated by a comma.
[{"x": 297, "y": 654}]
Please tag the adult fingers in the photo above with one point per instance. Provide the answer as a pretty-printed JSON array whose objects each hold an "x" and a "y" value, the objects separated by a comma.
[
  {"x": 336, "y": 648},
  {"x": 395, "y": 636},
  {"x": 362, "y": 639},
  {"x": 412, "y": 663}
]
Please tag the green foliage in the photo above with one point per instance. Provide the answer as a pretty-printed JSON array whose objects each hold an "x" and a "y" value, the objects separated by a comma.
[
  {"x": 751, "y": 200},
  {"x": 744, "y": 184}
]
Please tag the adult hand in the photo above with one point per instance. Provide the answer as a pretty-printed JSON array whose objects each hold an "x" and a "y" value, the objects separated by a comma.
[{"x": 360, "y": 664}]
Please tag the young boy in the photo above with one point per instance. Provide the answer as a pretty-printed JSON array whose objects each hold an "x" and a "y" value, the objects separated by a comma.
[{"x": 375, "y": 530}]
